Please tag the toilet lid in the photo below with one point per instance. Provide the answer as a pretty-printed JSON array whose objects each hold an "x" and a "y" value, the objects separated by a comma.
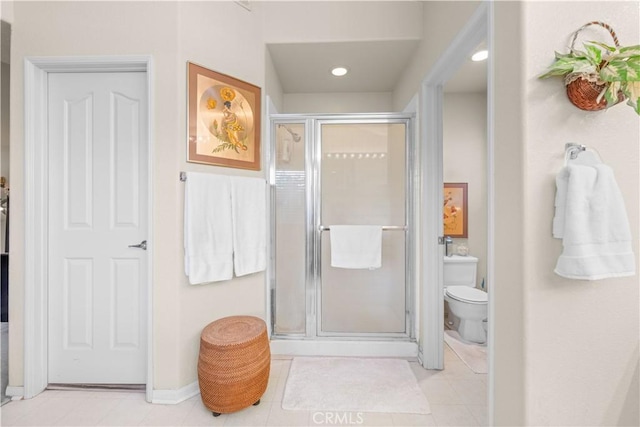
[{"x": 467, "y": 294}]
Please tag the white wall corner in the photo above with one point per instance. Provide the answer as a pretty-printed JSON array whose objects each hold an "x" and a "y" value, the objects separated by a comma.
[
  {"x": 16, "y": 392},
  {"x": 172, "y": 397},
  {"x": 412, "y": 106}
]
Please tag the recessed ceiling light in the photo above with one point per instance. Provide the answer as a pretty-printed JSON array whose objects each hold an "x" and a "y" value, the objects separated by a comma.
[
  {"x": 480, "y": 55},
  {"x": 339, "y": 71}
]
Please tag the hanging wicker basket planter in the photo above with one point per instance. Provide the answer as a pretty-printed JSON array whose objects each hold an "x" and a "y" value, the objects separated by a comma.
[
  {"x": 601, "y": 75},
  {"x": 584, "y": 91}
]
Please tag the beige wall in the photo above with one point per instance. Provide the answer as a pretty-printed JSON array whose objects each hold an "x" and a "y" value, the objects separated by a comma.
[
  {"x": 4, "y": 151},
  {"x": 235, "y": 48},
  {"x": 442, "y": 20},
  {"x": 6, "y": 11},
  {"x": 324, "y": 21},
  {"x": 174, "y": 33},
  {"x": 506, "y": 287},
  {"x": 337, "y": 102},
  {"x": 566, "y": 352},
  {"x": 87, "y": 28},
  {"x": 592, "y": 352},
  {"x": 465, "y": 160},
  {"x": 5, "y": 69},
  {"x": 272, "y": 85},
  {"x": 6, "y": 16},
  {"x": 575, "y": 343}
]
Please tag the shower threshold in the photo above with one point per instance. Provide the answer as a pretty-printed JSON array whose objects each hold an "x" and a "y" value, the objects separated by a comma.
[{"x": 357, "y": 348}]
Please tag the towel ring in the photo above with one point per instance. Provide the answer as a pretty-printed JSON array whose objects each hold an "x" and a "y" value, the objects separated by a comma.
[{"x": 573, "y": 151}]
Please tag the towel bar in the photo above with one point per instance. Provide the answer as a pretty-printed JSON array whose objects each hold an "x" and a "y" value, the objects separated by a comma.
[{"x": 384, "y": 227}]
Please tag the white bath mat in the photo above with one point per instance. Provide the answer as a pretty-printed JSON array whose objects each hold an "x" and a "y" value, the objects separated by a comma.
[
  {"x": 353, "y": 385},
  {"x": 473, "y": 355}
]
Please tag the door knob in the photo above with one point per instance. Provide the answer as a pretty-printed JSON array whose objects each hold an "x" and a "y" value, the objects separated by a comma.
[{"x": 142, "y": 245}]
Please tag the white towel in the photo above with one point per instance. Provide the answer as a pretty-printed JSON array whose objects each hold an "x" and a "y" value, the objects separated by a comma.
[
  {"x": 561, "y": 199},
  {"x": 585, "y": 158},
  {"x": 356, "y": 246},
  {"x": 208, "y": 245},
  {"x": 248, "y": 200},
  {"x": 592, "y": 221}
]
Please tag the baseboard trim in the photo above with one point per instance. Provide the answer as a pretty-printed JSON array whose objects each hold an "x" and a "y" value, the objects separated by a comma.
[
  {"x": 16, "y": 392},
  {"x": 172, "y": 397},
  {"x": 162, "y": 397}
]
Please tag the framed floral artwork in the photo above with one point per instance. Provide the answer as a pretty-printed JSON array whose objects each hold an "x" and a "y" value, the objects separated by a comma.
[
  {"x": 455, "y": 211},
  {"x": 223, "y": 119}
]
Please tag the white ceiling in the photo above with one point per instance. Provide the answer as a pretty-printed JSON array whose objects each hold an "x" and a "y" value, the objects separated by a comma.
[{"x": 374, "y": 66}]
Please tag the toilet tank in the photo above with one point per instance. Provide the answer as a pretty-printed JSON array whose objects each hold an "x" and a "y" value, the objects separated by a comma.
[{"x": 460, "y": 270}]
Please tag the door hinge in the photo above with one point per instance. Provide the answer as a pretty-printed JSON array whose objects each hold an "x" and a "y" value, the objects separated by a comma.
[{"x": 441, "y": 240}]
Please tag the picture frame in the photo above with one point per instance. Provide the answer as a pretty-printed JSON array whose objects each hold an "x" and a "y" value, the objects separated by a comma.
[
  {"x": 455, "y": 211},
  {"x": 223, "y": 115}
]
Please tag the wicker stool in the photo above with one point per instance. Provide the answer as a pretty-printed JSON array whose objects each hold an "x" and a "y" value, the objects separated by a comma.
[{"x": 234, "y": 362}]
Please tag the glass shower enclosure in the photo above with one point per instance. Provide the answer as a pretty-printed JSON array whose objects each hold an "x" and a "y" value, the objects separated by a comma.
[{"x": 340, "y": 170}]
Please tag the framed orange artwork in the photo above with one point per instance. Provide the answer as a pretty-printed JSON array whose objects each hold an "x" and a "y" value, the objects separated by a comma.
[
  {"x": 223, "y": 119},
  {"x": 455, "y": 211}
]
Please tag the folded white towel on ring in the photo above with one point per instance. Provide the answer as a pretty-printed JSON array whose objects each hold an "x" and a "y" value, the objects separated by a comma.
[{"x": 592, "y": 222}]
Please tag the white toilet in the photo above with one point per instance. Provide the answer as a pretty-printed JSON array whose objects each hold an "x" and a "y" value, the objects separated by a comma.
[{"x": 466, "y": 302}]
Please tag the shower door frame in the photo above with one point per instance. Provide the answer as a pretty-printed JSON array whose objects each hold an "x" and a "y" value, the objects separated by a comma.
[{"x": 313, "y": 227}]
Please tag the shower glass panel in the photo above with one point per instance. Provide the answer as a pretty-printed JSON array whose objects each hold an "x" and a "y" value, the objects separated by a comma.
[
  {"x": 363, "y": 179},
  {"x": 289, "y": 221},
  {"x": 340, "y": 170}
]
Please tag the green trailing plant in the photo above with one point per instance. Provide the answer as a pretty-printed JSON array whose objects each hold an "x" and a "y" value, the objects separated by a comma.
[{"x": 615, "y": 68}]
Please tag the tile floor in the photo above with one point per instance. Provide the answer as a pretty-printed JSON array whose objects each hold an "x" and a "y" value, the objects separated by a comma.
[{"x": 457, "y": 397}]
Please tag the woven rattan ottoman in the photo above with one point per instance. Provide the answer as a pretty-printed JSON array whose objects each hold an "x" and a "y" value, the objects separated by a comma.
[{"x": 234, "y": 362}]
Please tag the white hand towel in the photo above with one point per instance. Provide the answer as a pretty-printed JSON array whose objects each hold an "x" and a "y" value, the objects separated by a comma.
[
  {"x": 208, "y": 245},
  {"x": 561, "y": 198},
  {"x": 593, "y": 225},
  {"x": 356, "y": 246},
  {"x": 248, "y": 200},
  {"x": 585, "y": 158}
]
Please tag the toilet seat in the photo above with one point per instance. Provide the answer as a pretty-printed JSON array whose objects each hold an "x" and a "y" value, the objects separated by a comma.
[{"x": 467, "y": 294}]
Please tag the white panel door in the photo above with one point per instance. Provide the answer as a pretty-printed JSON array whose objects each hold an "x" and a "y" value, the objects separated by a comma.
[{"x": 97, "y": 208}]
